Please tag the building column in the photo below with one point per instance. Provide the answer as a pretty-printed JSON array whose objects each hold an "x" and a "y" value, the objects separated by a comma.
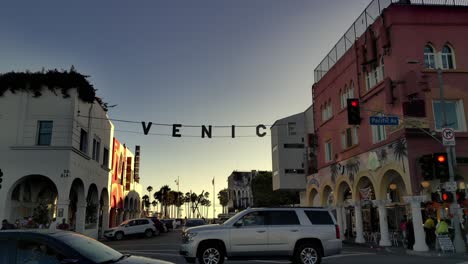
[
  {"x": 384, "y": 235},
  {"x": 359, "y": 226},
  {"x": 419, "y": 235},
  {"x": 80, "y": 217},
  {"x": 62, "y": 211},
  {"x": 339, "y": 220},
  {"x": 105, "y": 217}
]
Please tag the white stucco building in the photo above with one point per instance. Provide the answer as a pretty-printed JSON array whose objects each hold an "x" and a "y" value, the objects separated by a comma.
[
  {"x": 240, "y": 190},
  {"x": 52, "y": 153},
  {"x": 292, "y": 148}
]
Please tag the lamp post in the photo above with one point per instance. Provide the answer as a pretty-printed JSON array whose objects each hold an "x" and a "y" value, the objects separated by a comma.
[{"x": 459, "y": 244}]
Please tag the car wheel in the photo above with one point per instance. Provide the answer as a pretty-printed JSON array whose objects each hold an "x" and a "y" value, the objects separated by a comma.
[
  {"x": 148, "y": 233},
  {"x": 119, "y": 236},
  {"x": 211, "y": 254},
  {"x": 307, "y": 254},
  {"x": 156, "y": 232}
]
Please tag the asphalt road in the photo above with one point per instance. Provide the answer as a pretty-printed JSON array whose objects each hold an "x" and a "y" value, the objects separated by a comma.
[{"x": 166, "y": 247}]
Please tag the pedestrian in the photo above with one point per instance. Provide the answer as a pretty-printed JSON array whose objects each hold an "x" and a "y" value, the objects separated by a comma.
[
  {"x": 410, "y": 233},
  {"x": 442, "y": 228},
  {"x": 53, "y": 224},
  {"x": 6, "y": 225},
  {"x": 429, "y": 229},
  {"x": 64, "y": 225}
]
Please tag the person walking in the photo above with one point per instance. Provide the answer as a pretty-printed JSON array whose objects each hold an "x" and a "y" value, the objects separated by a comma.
[
  {"x": 403, "y": 224},
  {"x": 410, "y": 234},
  {"x": 429, "y": 229}
]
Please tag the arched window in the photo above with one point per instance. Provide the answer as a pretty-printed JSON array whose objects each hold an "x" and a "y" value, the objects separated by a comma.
[
  {"x": 429, "y": 57},
  {"x": 447, "y": 58}
]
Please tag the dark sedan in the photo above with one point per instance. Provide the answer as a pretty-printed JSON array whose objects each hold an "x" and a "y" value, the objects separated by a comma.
[{"x": 59, "y": 247}]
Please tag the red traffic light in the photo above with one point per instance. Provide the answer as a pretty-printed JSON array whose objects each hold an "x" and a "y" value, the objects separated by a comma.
[
  {"x": 354, "y": 103},
  {"x": 441, "y": 158},
  {"x": 445, "y": 197}
]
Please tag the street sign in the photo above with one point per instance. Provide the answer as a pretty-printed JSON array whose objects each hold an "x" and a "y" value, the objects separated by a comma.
[
  {"x": 448, "y": 136},
  {"x": 384, "y": 120},
  {"x": 450, "y": 186}
]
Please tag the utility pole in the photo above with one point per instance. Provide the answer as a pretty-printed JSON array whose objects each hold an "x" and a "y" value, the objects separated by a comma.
[
  {"x": 459, "y": 244},
  {"x": 178, "y": 198},
  {"x": 214, "y": 200}
]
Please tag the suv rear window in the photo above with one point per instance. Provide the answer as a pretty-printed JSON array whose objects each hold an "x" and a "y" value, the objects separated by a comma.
[
  {"x": 283, "y": 218},
  {"x": 319, "y": 217}
]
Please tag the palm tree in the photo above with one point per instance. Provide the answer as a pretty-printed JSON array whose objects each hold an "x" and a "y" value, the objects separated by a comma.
[
  {"x": 223, "y": 197},
  {"x": 154, "y": 203},
  {"x": 149, "y": 189},
  {"x": 146, "y": 202}
]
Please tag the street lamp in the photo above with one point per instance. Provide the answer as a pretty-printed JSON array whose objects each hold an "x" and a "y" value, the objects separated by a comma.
[{"x": 458, "y": 240}]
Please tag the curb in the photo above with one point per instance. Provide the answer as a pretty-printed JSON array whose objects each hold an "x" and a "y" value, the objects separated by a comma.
[{"x": 434, "y": 254}]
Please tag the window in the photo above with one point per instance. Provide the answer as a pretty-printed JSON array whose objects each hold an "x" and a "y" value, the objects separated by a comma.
[
  {"x": 319, "y": 217},
  {"x": 29, "y": 251},
  {"x": 447, "y": 58},
  {"x": 142, "y": 222},
  {"x": 454, "y": 112},
  {"x": 378, "y": 133},
  {"x": 291, "y": 128},
  {"x": 253, "y": 219},
  {"x": 349, "y": 137},
  {"x": 375, "y": 75},
  {"x": 429, "y": 57},
  {"x": 105, "y": 158},
  {"x": 346, "y": 94},
  {"x": 298, "y": 146},
  {"x": 283, "y": 218},
  {"x": 328, "y": 151},
  {"x": 44, "y": 135},
  {"x": 84, "y": 141},
  {"x": 96, "y": 149},
  {"x": 327, "y": 111}
]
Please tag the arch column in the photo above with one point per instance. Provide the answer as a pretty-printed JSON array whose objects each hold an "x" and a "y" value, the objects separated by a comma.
[
  {"x": 419, "y": 235},
  {"x": 80, "y": 217},
  {"x": 340, "y": 219},
  {"x": 384, "y": 235},
  {"x": 62, "y": 207},
  {"x": 359, "y": 227}
]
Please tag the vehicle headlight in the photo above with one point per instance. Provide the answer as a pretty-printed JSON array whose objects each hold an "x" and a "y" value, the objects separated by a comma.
[{"x": 188, "y": 237}]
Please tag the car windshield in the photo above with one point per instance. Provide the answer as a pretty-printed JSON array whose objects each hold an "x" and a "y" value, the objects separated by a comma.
[
  {"x": 89, "y": 248},
  {"x": 231, "y": 220}
]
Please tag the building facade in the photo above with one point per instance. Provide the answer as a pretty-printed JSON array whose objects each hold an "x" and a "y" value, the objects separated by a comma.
[
  {"x": 60, "y": 159},
  {"x": 371, "y": 174},
  {"x": 240, "y": 190},
  {"x": 293, "y": 152},
  {"x": 56, "y": 157}
]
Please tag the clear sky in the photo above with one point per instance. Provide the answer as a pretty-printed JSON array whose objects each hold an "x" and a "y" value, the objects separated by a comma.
[{"x": 213, "y": 62}]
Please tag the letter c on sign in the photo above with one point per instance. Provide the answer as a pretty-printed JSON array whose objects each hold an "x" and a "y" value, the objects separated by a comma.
[{"x": 258, "y": 130}]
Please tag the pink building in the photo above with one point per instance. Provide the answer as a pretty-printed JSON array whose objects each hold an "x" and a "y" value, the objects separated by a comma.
[{"x": 388, "y": 59}]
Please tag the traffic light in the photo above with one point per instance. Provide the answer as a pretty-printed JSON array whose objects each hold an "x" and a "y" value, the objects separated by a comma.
[
  {"x": 441, "y": 166},
  {"x": 354, "y": 112},
  {"x": 447, "y": 197},
  {"x": 427, "y": 167},
  {"x": 461, "y": 196},
  {"x": 1, "y": 175}
]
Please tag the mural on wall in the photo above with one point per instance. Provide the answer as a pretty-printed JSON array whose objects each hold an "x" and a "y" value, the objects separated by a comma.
[{"x": 370, "y": 161}]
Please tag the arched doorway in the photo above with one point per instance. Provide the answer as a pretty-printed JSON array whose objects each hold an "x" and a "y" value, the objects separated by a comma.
[
  {"x": 77, "y": 206},
  {"x": 365, "y": 193},
  {"x": 92, "y": 206},
  {"x": 33, "y": 197},
  {"x": 126, "y": 209},
  {"x": 314, "y": 199},
  {"x": 131, "y": 208},
  {"x": 393, "y": 188}
]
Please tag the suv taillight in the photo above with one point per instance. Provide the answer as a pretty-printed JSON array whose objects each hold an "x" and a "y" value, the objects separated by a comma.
[{"x": 337, "y": 230}]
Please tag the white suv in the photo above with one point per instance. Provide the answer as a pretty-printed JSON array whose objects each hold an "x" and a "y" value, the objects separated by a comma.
[
  {"x": 304, "y": 235},
  {"x": 132, "y": 227}
]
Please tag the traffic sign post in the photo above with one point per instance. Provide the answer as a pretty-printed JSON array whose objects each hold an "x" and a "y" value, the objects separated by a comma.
[{"x": 448, "y": 137}]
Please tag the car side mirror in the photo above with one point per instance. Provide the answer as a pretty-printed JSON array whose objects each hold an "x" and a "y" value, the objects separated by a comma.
[{"x": 238, "y": 224}]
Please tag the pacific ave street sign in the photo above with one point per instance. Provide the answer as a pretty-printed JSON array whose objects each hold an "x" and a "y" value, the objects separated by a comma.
[{"x": 384, "y": 120}]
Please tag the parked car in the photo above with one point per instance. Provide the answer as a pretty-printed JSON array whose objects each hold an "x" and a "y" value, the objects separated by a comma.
[
  {"x": 139, "y": 226},
  {"x": 162, "y": 228},
  {"x": 304, "y": 235},
  {"x": 192, "y": 223},
  {"x": 44, "y": 246}
]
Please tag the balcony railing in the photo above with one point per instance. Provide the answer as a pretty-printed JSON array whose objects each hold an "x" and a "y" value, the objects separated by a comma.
[{"x": 367, "y": 18}]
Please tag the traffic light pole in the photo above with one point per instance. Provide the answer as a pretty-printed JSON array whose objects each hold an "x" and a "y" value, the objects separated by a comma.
[{"x": 458, "y": 241}]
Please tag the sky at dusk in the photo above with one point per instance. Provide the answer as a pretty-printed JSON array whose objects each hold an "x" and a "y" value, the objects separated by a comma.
[{"x": 190, "y": 62}]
